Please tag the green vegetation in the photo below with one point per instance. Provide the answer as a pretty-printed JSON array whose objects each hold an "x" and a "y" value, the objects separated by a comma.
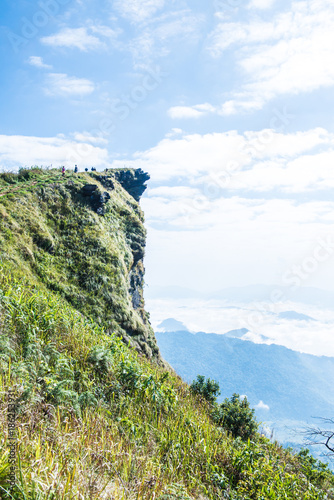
[
  {"x": 50, "y": 231},
  {"x": 234, "y": 415},
  {"x": 208, "y": 389},
  {"x": 237, "y": 417},
  {"x": 96, "y": 419}
]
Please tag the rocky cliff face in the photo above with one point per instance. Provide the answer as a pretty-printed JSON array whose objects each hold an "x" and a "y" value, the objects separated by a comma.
[
  {"x": 132, "y": 180},
  {"x": 82, "y": 236}
]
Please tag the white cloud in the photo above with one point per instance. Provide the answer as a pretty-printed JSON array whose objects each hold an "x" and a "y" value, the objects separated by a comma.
[
  {"x": 262, "y": 406},
  {"x": 138, "y": 10},
  {"x": 60, "y": 84},
  {"x": 212, "y": 195},
  {"x": 269, "y": 144},
  {"x": 87, "y": 137},
  {"x": 197, "y": 111},
  {"x": 105, "y": 31},
  {"x": 178, "y": 112},
  {"x": 174, "y": 132},
  {"x": 74, "y": 38},
  {"x": 248, "y": 216},
  {"x": 216, "y": 316},
  {"x": 192, "y": 155},
  {"x": 262, "y": 4},
  {"x": 253, "y": 161},
  {"x": 158, "y": 38},
  {"x": 312, "y": 337},
  {"x": 291, "y": 54},
  {"x": 171, "y": 192},
  {"x": 17, "y": 150},
  {"x": 305, "y": 174},
  {"x": 243, "y": 241},
  {"x": 38, "y": 62}
]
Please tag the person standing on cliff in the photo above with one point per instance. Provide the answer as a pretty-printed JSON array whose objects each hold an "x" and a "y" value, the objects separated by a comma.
[{"x": 63, "y": 171}]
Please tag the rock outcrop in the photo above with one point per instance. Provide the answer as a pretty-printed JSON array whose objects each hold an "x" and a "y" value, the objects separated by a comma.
[
  {"x": 132, "y": 180},
  {"x": 97, "y": 198}
]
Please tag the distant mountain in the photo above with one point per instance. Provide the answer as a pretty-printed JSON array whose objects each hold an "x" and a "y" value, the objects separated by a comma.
[
  {"x": 294, "y": 385},
  {"x": 245, "y": 334},
  {"x": 293, "y": 315},
  {"x": 172, "y": 325}
]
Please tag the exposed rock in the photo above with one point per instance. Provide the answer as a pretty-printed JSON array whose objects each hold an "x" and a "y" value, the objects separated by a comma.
[
  {"x": 133, "y": 181},
  {"x": 97, "y": 198},
  {"x": 136, "y": 278},
  {"x": 88, "y": 189},
  {"x": 98, "y": 201},
  {"x": 107, "y": 182}
]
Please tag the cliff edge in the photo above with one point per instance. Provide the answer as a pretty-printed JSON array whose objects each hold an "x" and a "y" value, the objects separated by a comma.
[{"x": 82, "y": 236}]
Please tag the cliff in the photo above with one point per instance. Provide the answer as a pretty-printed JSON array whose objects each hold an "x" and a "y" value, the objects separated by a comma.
[
  {"x": 82, "y": 415},
  {"x": 82, "y": 236}
]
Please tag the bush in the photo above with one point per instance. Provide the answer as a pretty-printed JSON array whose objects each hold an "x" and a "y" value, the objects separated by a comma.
[
  {"x": 101, "y": 359},
  {"x": 315, "y": 471},
  {"x": 208, "y": 389},
  {"x": 236, "y": 417},
  {"x": 9, "y": 178}
]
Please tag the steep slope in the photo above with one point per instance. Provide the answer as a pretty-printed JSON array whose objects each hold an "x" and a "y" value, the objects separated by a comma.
[
  {"x": 82, "y": 236},
  {"x": 83, "y": 416},
  {"x": 95, "y": 421}
]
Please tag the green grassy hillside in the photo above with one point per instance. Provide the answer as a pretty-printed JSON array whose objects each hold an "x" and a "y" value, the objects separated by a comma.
[
  {"x": 95, "y": 417},
  {"x": 51, "y": 231}
]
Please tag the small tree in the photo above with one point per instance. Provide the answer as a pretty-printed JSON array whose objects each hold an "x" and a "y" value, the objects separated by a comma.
[
  {"x": 208, "y": 389},
  {"x": 237, "y": 417},
  {"x": 321, "y": 435}
]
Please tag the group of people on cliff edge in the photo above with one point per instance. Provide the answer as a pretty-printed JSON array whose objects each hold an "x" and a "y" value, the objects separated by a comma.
[{"x": 76, "y": 170}]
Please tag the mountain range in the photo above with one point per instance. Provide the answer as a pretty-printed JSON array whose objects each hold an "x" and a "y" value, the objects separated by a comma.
[{"x": 280, "y": 383}]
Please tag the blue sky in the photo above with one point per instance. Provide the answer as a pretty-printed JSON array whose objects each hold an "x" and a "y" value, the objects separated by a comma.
[{"x": 227, "y": 104}]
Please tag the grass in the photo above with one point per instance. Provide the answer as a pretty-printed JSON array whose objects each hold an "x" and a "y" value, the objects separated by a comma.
[
  {"x": 50, "y": 231},
  {"x": 97, "y": 419}
]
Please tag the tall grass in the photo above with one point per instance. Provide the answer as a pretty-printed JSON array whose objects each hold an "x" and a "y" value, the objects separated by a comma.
[{"x": 97, "y": 421}]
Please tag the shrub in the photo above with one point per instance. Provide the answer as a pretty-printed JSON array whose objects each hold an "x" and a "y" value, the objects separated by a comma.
[
  {"x": 9, "y": 178},
  {"x": 236, "y": 416},
  {"x": 101, "y": 359},
  {"x": 315, "y": 471},
  {"x": 208, "y": 389}
]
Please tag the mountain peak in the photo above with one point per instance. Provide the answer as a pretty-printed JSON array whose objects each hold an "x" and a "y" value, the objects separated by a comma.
[{"x": 172, "y": 325}]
